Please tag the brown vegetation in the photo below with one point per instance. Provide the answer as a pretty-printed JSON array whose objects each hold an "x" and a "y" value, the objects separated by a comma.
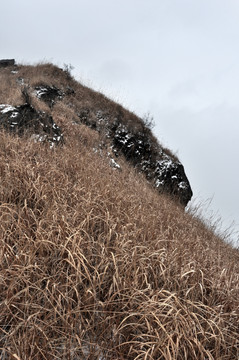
[{"x": 94, "y": 263}]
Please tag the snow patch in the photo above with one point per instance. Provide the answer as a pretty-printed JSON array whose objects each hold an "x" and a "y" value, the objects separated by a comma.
[
  {"x": 14, "y": 114},
  {"x": 4, "y": 108},
  {"x": 39, "y": 92},
  {"x": 182, "y": 185},
  {"x": 114, "y": 164},
  {"x": 159, "y": 183}
]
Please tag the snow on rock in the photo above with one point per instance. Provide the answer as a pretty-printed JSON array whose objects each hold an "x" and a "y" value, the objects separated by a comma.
[
  {"x": 160, "y": 167},
  {"x": 114, "y": 164},
  {"x": 49, "y": 94},
  {"x": 24, "y": 118},
  {"x": 6, "y": 108},
  {"x": 170, "y": 177}
]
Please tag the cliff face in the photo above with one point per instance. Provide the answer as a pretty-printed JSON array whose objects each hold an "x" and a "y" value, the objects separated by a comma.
[{"x": 122, "y": 133}]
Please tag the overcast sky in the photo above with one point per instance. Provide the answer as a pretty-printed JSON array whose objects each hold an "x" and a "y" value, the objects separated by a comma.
[{"x": 176, "y": 59}]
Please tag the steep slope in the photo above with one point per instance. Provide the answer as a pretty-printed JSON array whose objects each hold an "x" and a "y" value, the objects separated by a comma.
[
  {"x": 122, "y": 132},
  {"x": 96, "y": 263}
]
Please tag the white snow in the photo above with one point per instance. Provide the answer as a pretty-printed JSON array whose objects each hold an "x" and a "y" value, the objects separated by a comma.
[
  {"x": 114, "y": 164},
  {"x": 57, "y": 138},
  {"x": 40, "y": 92},
  {"x": 182, "y": 185},
  {"x": 14, "y": 114},
  {"x": 4, "y": 108},
  {"x": 159, "y": 183},
  {"x": 125, "y": 139}
]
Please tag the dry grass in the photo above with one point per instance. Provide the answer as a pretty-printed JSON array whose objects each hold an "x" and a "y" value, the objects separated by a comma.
[{"x": 96, "y": 265}]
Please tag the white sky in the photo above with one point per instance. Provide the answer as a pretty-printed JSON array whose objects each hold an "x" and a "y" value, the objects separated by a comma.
[{"x": 177, "y": 59}]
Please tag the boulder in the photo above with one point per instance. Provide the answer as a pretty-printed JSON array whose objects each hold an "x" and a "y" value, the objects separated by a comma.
[
  {"x": 169, "y": 176},
  {"x": 7, "y": 62}
]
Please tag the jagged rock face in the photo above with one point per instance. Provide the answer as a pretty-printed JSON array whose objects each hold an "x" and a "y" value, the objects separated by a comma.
[
  {"x": 23, "y": 118},
  {"x": 135, "y": 147},
  {"x": 49, "y": 94},
  {"x": 163, "y": 170},
  {"x": 160, "y": 168}
]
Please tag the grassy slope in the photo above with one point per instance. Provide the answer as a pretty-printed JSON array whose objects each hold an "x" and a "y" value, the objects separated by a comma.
[{"x": 94, "y": 262}]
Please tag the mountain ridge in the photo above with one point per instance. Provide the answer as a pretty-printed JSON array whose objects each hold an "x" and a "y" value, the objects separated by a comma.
[{"x": 121, "y": 131}]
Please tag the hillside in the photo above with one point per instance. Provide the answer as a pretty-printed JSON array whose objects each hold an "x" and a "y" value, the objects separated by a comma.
[{"x": 98, "y": 258}]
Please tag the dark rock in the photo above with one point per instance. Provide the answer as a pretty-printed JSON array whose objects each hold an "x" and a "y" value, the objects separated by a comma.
[
  {"x": 134, "y": 147},
  {"x": 7, "y": 62},
  {"x": 164, "y": 170},
  {"x": 169, "y": 176},
  {"x": 158, "y": 165},
  {"x": 25, "y": 119},
  {"x": 49, "y": 94}
]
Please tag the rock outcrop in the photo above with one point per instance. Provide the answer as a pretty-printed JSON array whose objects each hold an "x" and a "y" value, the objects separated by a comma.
[
  {"x": 24, "y": 118},
  {"x": 161, "y": 168},
  {"x": 7, "y": 62},
  {"x": 49, "y": 94},
  {"x": 136, "y": 144}
]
